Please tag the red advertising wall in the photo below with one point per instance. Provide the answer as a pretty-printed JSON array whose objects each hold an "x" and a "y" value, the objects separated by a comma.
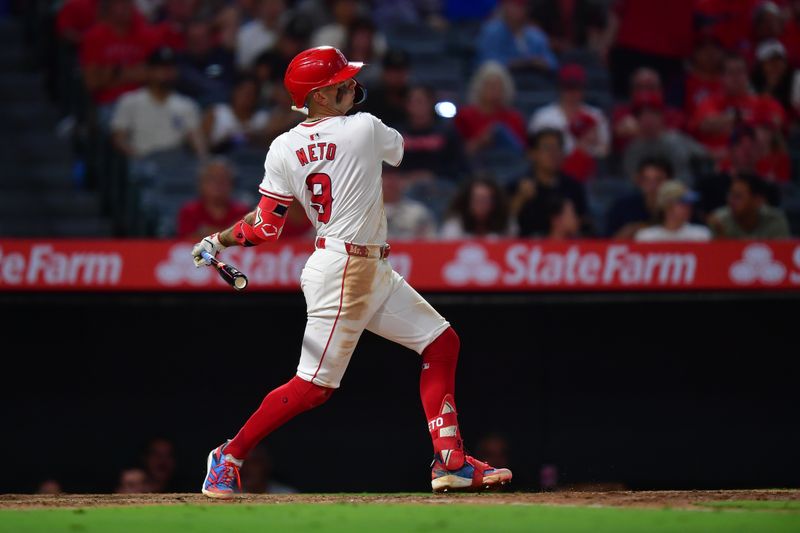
[{"x": 456, "y": 266}]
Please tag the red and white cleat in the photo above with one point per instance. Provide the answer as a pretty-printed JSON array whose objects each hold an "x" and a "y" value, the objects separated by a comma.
[{"x": 474, "y": 475}]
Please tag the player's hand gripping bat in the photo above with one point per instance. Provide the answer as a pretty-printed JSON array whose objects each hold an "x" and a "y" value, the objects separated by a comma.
[{"x": 230, "y": 274}]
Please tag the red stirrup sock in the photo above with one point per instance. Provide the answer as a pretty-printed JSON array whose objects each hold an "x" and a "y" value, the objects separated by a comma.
[
  {"x": 437, "y": 386},
  {"x": 280, "y": 406}
]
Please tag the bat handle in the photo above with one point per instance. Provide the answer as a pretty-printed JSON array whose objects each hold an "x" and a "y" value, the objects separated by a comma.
[{"x": 210, "y": 259}]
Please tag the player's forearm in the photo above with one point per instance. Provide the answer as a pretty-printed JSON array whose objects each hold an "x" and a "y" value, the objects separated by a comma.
[{"x": 227, "y": 237}]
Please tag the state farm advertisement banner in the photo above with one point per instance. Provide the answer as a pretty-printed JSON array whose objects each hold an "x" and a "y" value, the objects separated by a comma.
[{"x": 457, "y": 266}]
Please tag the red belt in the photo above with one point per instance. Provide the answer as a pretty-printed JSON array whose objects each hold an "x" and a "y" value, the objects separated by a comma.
[{"x": 376, "y": 251}]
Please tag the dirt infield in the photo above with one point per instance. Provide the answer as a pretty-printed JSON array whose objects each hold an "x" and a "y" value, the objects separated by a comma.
[{"x": 648, "y": 499}]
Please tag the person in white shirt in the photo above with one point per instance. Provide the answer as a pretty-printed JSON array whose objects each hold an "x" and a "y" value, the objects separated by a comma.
[
  {"x": 583, "y": 126},
  {"x": 259, "y": 34},
  {"x": 155, "y": 118},
  {"x": 239, "y": 122},
  {"x": 674, "y": 204}
]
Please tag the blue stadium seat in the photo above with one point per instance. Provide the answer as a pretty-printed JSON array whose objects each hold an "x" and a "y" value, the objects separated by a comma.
[{"x": 417, "y": 40}]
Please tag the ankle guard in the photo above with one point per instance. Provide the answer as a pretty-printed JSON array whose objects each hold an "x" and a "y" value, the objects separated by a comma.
[{"x": 446, "y": 435}]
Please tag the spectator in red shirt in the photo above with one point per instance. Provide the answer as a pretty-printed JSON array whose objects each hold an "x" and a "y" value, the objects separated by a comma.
[
  {"x": 114, "y": 52},
  {"x": 215, "y": 209},
  {"x": 704, "y": 73},
  {"x": 624, "y": 123},
  {"x": 715, "y": 119},
  {"x": 655, "y": 34},
  {"x": 489, "y": 120},
  {"x": 770, "y": 160},
  {"x": 791, "y": 33},
  {"x": 587, "y": 136},
  {"x": 75, "y": 18}
]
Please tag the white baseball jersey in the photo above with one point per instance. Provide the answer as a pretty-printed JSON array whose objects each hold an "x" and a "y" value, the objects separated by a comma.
[{"x": 333, "y": 167}]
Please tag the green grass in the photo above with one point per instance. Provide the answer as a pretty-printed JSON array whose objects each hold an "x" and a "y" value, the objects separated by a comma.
[
  {"x": 389, "y": 518},
  {"x": 763, "y": 505}
]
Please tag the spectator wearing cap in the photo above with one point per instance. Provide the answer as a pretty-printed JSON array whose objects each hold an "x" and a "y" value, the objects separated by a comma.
[
  {"x": 511, "y": 40},
  {"x": 747, "y": 215},
  {"x": 585, "y": 128},
  {"x": 718, "y": 116},
  {"x": 479, "y": 209},
  {"x": 655, "y": 139},
  {"x": 773, "y": 76},
  {"x": 261, "y": 33},
  {"x": 432, "y": 148},
  {"x": 214, "y": 209},
  {"x": 704, "y": 70},
  {"x": 656, "y": 34},
  {"x": 489, "y": 120},
  {"x": 206, "y": 70},
  {"x": 639, "y": 209},
  {"x": 387, "y": 98},
  {"x": 623, "y": 119},
  {"x": 546, "y": 156},
  {"x": 228, "y": 126},
  {"x": 155, "y": 118},
  {"x": 113, "y": 54},
  {"x": 768, "y": 22},
  {"x": 674, "y": 205}
]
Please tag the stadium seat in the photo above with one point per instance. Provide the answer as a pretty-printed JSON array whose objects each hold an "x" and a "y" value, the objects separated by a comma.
[
  {"x": 601, "y": 195},
  {"x": 435, "y": 194},
  {"x": 418, "y": 40}
]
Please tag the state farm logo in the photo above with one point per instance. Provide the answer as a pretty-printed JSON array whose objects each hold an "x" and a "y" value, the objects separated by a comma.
[
  {"x": 48, "y": 265},
  {"x": 535, "y": 265},
  {"x": 179, "y": 268},
  {"x": 471, "y": 264},
  {"x": 757, "y": 265},
  {"x": 279, "y": 267}
]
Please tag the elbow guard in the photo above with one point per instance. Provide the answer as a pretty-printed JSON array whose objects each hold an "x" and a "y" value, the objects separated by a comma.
[{"x": 270, "y": 217}]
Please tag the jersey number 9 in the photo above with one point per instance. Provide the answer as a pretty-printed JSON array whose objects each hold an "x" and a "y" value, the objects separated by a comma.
[{"x": 320, "y": 186}]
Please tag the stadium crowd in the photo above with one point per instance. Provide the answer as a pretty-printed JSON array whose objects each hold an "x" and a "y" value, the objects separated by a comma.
[{"x": 559, "y": 119}]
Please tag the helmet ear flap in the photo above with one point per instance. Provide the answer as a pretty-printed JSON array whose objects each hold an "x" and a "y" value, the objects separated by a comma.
[{"x": 361, "y": 94}]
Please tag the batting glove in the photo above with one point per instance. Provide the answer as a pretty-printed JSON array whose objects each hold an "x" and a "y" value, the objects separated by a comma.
[{"x": 209, "y": 244}]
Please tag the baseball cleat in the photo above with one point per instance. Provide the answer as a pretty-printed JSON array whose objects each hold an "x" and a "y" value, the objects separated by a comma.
[
  {"x": 472, "y": 476},
  {"x": 222, "y": 475}
]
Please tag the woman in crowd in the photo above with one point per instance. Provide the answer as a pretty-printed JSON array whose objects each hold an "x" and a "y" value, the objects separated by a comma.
[
  {"x": 489, "y": 120},
  {"x": 479, "y": 209}
]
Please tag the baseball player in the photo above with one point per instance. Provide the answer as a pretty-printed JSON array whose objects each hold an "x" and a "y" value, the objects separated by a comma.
[{"x": 331, "y": 164}]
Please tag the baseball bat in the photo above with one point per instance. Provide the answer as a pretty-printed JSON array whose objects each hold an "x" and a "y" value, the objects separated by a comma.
[{"x": 230, "y": 274}]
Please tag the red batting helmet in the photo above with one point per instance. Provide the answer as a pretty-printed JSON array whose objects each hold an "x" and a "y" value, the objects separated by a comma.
[{"x": 316, "y": 68}]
